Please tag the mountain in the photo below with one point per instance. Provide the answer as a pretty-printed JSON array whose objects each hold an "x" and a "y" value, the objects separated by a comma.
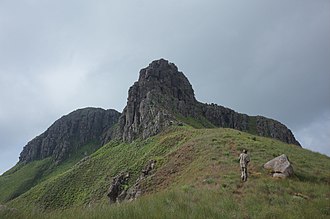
[
  {"x": 66, "y": 171},
  {"x": 160, "y": 98},
  {"x": 69, "y": 133},
  {"x": 163, "y": 96}
]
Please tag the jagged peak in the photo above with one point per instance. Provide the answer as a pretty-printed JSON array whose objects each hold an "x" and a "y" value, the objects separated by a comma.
[
  {"x": 163, "y": 77},
  {"x": 163, "y": 93},
  {"x": 156, "y": 68},
  {"x": 162, "y": 63}
]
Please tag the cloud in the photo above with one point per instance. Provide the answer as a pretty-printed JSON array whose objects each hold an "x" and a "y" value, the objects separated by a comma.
[{"x": 319, "y": 128}]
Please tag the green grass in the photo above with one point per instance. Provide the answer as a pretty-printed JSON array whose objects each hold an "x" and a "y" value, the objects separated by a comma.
[
  {"x": 252, "y": 125},
  {"x": 21, "y": 178},
  {"x": 197, "y": 176},
  {"x": 197, "y": 123}
]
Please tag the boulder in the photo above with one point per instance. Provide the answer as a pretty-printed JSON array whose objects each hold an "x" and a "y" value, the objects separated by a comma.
[{"x": 280, "y": 167}]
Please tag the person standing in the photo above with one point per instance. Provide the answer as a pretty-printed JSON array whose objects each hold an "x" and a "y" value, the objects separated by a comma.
[{"x": 244, "y": 159}]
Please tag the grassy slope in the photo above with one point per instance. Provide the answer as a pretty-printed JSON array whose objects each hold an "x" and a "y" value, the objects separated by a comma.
[
  {"x": 197, "y": 176},
  {"x": 21, "y": 178}
]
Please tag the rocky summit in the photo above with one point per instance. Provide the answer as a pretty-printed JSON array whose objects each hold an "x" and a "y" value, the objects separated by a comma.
[
  {"x": 69, "y": 133},
  {"x": 161, "y": 97},
  {"x": 154, "y": 101}
]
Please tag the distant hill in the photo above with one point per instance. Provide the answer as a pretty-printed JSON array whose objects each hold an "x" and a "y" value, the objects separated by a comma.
[{"x": 67, "y": 170}]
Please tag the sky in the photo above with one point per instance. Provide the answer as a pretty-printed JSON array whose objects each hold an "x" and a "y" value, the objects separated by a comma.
[{"x": 259, "y": 57}]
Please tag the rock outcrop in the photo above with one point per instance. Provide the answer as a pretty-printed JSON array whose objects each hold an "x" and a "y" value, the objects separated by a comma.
[
  {"x": 137, "y": 189},
  {"x": 160, "y": 93},
  {"x": 69, "y": 133},
  {"x": 118, "y": 187},
  {"x": 119, "y": 190},
  {"x": 224, "y": 117},
  {"x": 280, "y": 167},
  {"x": 274, "y": 129},
  {"x": 163, "y": 94}
]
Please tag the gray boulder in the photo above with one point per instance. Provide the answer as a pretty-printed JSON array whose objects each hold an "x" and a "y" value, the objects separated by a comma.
[{"x": 280, "y": 167}]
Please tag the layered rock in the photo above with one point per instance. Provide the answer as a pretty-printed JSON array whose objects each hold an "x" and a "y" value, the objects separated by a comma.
[
  {"x": 69, "y": 133},
  {"x": 274, "y": 129},
  {"x": 163, "y": 94},
  {"x": 224, "y": 117},
  {"x": 153, "y": 101}
]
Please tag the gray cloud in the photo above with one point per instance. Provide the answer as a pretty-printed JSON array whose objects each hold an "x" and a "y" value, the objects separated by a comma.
[{"x": 257, "y": 57}]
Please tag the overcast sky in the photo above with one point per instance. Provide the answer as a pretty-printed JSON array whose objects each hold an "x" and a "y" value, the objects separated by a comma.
[{"x": 265, "y": 57}]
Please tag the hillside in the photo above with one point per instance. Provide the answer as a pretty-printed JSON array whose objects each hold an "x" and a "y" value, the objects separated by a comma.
[
  {"x": 174, "y": 157},
  {"x": 197, "y": 175}
]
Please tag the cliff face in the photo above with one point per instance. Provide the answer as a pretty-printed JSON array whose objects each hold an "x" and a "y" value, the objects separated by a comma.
[
  {"x": 69, "y": 133},
  {"x": 162, "y": 94},
  {"x": 258, "y": 125},
  {"x": 153, "y": 101},
  {"x": 274, "y": 129},
  {"x": 224, "y": 117}
]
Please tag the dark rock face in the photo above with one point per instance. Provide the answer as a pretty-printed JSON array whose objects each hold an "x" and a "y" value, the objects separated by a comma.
[
  {"x": 224, "y": 117},
  {"x": 274, "y": 129},
  {"x": 163, "y": 93},
  {"x": 160, "y": 93},
  {"x": 259, "y": 125},
  {"x": 70, "y": 132}
]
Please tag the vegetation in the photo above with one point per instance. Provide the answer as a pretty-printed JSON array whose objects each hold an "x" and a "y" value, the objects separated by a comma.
[
  {"x": 252, "y": 125},
  {"x": 23, "y": 177},
  {"x": 197, "y": 123},
  {"x": 197, "y": 176}
]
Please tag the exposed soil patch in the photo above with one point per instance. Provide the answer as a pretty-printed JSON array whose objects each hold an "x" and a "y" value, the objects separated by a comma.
[{"x": 176, "y": 162}]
